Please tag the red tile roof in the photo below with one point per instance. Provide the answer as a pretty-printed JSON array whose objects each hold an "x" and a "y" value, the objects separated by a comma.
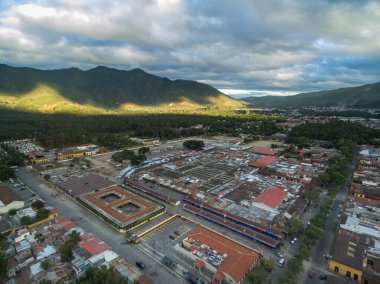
[
  {"x": 219, "y": 276},
  {"x": 93, "y": 245},
  {"x": 272, "y": 197},
  {"x": 192, "y": 248},
  {"x": 7, "y": 196},
  {"x": 264, "y": 161},
  {"x": 67, "y": 224},
  {"x": 266, "y": 152},
  {"x": 111, "y": 211},
  {"x": 199, "y": 263},
  {"x": 239, "y": 259}
]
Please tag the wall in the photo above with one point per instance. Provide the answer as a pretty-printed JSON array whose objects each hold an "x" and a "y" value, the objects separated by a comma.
[
  {"x": 343, "y": 270},
  {"x": 10, "y": 206},
  {"x": 51, "y": 217}
]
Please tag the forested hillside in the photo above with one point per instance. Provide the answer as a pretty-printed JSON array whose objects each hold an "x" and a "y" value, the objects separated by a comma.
[
  {"x": 366, "y": 96},
  {"x": 101, "y": 90}
]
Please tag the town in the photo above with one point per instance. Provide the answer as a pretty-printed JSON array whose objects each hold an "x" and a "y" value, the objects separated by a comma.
[
  {"x": 174, "y": 141},
  {"x": 197, "y": 210}
]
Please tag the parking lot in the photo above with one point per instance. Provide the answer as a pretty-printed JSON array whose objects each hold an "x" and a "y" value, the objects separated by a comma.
[
  {"x": 164, "y": 238},
  {"x": 167, "y": 235}
]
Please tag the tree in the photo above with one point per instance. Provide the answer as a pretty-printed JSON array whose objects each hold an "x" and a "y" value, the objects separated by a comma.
[
  {"x": 47, "y": 177},
  {"x": 44, "y": 281},
  {"x": 304, "y": 252},
  {"x": 102, "y": 275},
  {"x": 144, "y": 150},
  {"x": 5, "y": 172},
  {"x": 74, "y": 237},
  {"x": 319, "y": 221},
  {"x": 12, "y": 212},
  {"x": 137, "y": 160},
  {"x": 38, "y": 204},
  {"x": 46, "y": 264},
  {"x": 42, "y": 214},
  {"x": 313, "y": 232},
  {"x": 291, "y": 150},
  {"x": 66, "y": 252},
  {"x": 26, "y": 220},
  {"x": 261, "y": 271},
  {"x": 294, "y": 267},
  {"x": 123, "y": 155},
  {"x": 193, "y": 145},
  {"x": 313, "y": 195},
  {"x": 3, "y": 265},
  {"x": 3, "y": 243},
  {"x": 296, "y": 227}
]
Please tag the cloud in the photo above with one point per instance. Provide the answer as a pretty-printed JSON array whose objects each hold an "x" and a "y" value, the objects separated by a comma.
[
  {"x": 238, "y": 94},
  {"x": 274, "y": 46}
]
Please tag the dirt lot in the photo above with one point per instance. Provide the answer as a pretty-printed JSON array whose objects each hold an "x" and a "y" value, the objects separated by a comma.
[{"x": 266, "y": 144}]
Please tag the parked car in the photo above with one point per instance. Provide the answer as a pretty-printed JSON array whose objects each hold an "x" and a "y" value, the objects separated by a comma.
[
  {"x": 322, "y": 277},
  {"x": 281, "y": 262},
  {"x": 140, "y": 265},
  {"x": 311, "y": 274},
  {"x": 172, "y": 237}
]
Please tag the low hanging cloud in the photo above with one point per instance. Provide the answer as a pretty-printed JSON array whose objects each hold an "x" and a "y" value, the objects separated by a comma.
[{"x": 255, "y": 47}]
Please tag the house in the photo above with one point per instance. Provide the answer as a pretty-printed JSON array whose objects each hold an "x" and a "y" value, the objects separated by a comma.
[
  {"x": 69, "y": 153},
  {"x": 356, "y": 257}
]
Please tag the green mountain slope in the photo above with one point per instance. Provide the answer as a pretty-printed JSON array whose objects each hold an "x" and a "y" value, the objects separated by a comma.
[
  {"x": 366, "y": 96},
  {"x": 100, "y": 90}
]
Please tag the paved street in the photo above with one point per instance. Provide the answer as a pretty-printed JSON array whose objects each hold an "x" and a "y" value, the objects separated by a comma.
[
  {"x": 85, "y": 219},
  {"x": 318, "y": 261},
  {"x": 288, "y": 251}
]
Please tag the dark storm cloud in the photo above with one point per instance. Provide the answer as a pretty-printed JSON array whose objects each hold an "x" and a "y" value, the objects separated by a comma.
[{"x": 285, "y": 46}]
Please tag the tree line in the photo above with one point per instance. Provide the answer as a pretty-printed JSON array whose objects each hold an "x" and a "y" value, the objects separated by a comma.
[
  {"x": 334, "y": 131},
  {"x": 114, "y": 131}
]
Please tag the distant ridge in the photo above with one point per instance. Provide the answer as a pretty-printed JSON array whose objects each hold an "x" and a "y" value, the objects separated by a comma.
[
  {"x": 100, "y": 89},
  {"x": 366, "y": 96}
]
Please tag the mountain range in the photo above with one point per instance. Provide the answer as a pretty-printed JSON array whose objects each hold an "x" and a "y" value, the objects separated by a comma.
[
  {"x": 100, "y": 90},
  {"x": 104, "y": 90},
  {"x": 366, "y": 96}
]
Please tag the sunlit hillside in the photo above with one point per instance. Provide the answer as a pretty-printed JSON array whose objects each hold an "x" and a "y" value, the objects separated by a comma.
[{"x": 103, "y": 91}]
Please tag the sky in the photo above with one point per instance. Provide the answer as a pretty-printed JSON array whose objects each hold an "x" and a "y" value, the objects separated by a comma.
[{"x": 241, "y": 47}]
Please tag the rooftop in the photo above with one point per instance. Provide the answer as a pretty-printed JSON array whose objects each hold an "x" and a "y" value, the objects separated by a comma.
[
  {"x": 239, "y": 258},
  {"x": 93, "y": 244},
  {"x": 272, "y": 197},
  {"x": 348, "y": 249},
  {"x": 264, "y": 161},
  {"x": 120, "y": 205},
  {"x": 359, "y": 226},
  {"x": 83, "y": 185},
  {"x": 7, "y": 196},
  {"x": 265, "y": 152}
]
